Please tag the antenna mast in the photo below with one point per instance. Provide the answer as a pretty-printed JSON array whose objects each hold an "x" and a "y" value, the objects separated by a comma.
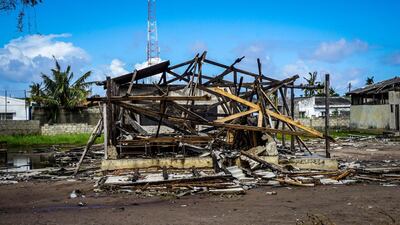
[{"x": 153, "y": 52}]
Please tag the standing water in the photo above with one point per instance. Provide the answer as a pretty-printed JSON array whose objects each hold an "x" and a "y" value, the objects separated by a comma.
[{"x": 25, "y": 159}]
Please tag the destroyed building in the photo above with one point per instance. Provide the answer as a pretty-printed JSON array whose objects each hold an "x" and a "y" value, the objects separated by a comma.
[
  {"x": 190, "y": 118},
  {"x": 376, "y": 106}
]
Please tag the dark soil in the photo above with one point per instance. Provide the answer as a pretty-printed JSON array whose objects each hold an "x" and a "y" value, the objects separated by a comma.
[{"x": 49, "y": 203}]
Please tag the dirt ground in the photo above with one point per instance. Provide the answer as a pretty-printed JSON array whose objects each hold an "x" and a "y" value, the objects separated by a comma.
[{"x": 49, "y": 203}]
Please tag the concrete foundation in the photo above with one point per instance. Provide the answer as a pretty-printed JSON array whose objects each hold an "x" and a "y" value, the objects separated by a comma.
[
  {"x": 175, "y": 163},
  {"x": 311, "y": 163}
]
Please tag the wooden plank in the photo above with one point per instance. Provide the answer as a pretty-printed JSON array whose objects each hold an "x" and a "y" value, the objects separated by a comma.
[
  {"x": 234, "y": 97},
  {"x": 95, "y": 133},
  {"x": 261, "y": 129},
  {"x": 236, "y": 115},
  {"x": 327, "y": 114},
  {"x": 260, "y": 119},
  {"x": 294, "y": 123},
  {"x": 186, "y": 139},
  {"x": 263, "y": 162},
  {"x": 105, "y": 130},
  {"x": 132, "y": 82},
  {"x": 269, "y": 112},
  {"x": 152, "y": 98}
]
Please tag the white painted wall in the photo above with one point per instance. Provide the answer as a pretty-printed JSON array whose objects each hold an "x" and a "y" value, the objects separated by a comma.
[
  {"x": 308, "y": 106},
  {"x": 16, "y": 106}
]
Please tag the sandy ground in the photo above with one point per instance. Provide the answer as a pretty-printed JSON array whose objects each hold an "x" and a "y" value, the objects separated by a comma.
[{"x": 49, "y": 202}]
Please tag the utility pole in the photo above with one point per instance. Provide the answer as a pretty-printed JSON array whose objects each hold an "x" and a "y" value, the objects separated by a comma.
[{"x": 153, "y": 51}]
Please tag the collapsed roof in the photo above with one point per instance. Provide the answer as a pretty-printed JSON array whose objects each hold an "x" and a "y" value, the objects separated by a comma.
[{"x": 378, "y": 88}]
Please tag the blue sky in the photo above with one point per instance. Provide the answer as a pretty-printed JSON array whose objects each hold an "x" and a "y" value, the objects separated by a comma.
[{"x": 348, "y": 39}]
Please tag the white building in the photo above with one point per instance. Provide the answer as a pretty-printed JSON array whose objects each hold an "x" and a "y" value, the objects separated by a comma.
[
  {"x": 315, "y": 106},
  {"x": 13, "y": 109}
]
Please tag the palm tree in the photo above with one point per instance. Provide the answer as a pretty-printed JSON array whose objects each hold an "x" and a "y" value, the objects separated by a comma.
[
  {"x": 59, "y": 90},
  {"x": 369, "y": 81},
  {"x": 311, "y": 81}
]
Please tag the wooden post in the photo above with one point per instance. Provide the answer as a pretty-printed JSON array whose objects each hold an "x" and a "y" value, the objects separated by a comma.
[
  {"x": 292, "y": 115},
  {"x": 284, "y": 112},
  {"x": 95, "y": 133},
  {"x": 327, "y": 144},
  {"x": 105, "y": 130},
  {"x": 108, "y": 115}
]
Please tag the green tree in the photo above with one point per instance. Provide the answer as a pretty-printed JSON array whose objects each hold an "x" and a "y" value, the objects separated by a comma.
[
  {"x": 332, "y": 91},
  {"x": 60, "y": 91},
  {"x": 21, "y": 6},
  {"x": 369, "y": 81},
  {"x": 311, "y": 81}
]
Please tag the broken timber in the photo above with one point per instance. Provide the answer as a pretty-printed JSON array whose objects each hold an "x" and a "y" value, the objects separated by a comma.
[{"x": 186, "y": 111}]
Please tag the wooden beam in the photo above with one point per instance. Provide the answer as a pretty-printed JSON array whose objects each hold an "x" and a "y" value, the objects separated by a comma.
[
  {"x": 327, "y": 114},
  {"x": 185, "y": 139},
  {"x": 95, "y": 133},
  {"x": 269, "y": 112},
  {"x": 234, "y": 97},
  {"x": 152, "y": 98},
  {"x": 294, "y": 123},
  {"x": 263, "y": 162},
  {"x": 236, "y": 115},
  {"x": 261, "y": 129}
]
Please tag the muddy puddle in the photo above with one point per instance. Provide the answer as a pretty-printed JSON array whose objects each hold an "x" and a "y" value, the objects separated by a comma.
[{"x": 25, "y": 159}]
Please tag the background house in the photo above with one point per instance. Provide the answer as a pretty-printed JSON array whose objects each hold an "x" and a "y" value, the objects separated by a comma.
[
  {"x": 13, "y": 109},
  {"x": 308, "y": 107},
  {"x": 376, "y": 106}
]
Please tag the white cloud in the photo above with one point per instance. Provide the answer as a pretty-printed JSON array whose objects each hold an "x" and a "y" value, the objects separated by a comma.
[
  {"x": 145, "y": 64},
  {"x": 252, "y": 51},
  {"x": 24, "y": 58},
  {"x": 117, "y": 68},
  {"x": 198, "y": 47},
  {"x": 336, "y": 51},
  {"x": 299, "y": 67}
]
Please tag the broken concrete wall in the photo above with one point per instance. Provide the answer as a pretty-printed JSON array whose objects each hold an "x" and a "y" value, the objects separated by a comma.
[
  {"x": 370, "y": 116},
  {"x": 78, "y": 115},
  {"x": 66, "y": 128},
  {"x": 19, "y": 127},
  {"x": 394, "y": 101},
  {"x": 340, "y": 122}
]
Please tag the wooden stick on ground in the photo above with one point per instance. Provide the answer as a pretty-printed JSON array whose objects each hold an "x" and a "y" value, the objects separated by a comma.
[
  {"x": 96, "y": 132},
  {"x": 259, "y": 160}
]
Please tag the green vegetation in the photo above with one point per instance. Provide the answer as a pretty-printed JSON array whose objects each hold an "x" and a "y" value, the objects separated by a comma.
[
  {"x": 312, "y": 81},
  {"x": 59, "y": 90},
  {"x": 347, "y": 133},
  {"x": 369, "y": 81},
  {"x": 41, "y": 140},
  {"x": 339, "y": 133}
]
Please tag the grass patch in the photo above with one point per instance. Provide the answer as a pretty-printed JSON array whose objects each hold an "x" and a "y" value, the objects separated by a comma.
[
  {"x": 347, "y": 133},
  {"x": 41, "y": 140},
  {"x": 338, "y": 134}
]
